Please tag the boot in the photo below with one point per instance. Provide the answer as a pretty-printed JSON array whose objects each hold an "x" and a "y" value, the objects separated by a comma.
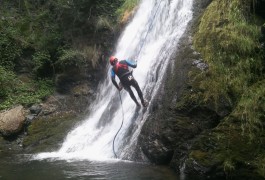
[
  {"x": 144, "y": 103},
  {"x": 137, "y": 104}
]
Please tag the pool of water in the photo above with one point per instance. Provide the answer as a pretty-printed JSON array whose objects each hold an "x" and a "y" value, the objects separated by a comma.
[{"x": 18, "y": 167}]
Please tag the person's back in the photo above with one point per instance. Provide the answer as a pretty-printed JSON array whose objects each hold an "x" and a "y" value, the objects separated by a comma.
[{"x": 121, "y": 69}]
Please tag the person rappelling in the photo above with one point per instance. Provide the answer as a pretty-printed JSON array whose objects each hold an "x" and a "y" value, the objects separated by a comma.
[{"x": 121, "y": 69}]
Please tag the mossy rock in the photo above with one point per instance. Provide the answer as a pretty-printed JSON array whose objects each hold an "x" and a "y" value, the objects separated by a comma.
[
  {"x": 224, "y": 151},
  {"x": 46, "y": 134},
  {"x": 228, "y": 39}
]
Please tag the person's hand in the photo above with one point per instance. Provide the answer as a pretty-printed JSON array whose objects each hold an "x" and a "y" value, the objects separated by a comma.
[{"x": 120, "y": 86}]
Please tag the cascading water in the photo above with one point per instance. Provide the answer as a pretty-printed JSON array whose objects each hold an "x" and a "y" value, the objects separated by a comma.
[{"x": 164, "y": 23}]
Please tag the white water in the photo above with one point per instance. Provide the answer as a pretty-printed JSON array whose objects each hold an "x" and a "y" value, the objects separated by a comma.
[{"x": 93, "y": 138}]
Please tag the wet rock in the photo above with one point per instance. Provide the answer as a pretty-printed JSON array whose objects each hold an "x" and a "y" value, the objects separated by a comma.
[
  {"x": 29, "y": 119},
  {"x": 35, "y": 109},
  {"x": 48, "y": 132},
  {"x": 49, "y": 109},
  {"x": 169, "y": 131},
  {"x": 156, "y": 150},
  {"x": 82, "y": 90},
  {"x": 11, "y": 121},
  {"x": 225, "y": 152},
  {"x": 160, "y": 153},
  {"x": 200, "y": 64}
]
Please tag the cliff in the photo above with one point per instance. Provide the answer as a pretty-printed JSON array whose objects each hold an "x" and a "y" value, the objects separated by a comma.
[{"x": 209, "y": 117}]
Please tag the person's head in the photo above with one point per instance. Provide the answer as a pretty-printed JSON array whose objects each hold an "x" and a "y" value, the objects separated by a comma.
[{"x": 113, "y": 60}]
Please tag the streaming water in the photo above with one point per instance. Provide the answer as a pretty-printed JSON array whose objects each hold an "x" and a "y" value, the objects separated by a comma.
[{"x": 156, "y": 27}]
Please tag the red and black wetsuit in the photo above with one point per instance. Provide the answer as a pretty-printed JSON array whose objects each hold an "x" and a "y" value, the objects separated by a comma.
[{"x": 121, "y": 69}]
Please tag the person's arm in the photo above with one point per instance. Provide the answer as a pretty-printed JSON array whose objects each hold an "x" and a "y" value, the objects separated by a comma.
[
  {"x": 131, "y": 63},
  {"x": 113, "y": 79}
]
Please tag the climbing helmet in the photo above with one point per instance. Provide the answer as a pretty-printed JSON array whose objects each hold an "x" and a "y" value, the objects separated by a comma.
[{"x": 112, "y": 60}]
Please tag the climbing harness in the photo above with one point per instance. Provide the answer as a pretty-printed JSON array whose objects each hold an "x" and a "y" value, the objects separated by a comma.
[
  {"x": 150, "y": 26},
  {"x": 120, "y": 127},
  {"x": 136, "y": 60}
]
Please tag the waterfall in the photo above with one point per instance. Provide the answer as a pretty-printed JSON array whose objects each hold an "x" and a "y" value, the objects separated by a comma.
[{"x": 156, "y": 27}]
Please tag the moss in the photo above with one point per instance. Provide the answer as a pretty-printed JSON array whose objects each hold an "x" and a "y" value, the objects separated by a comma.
[
  {"x": 260, "y": 164},
  {"x": 228, "y": 38},
  {"x": 225, "y": 148},
  {"x": 48, "y": 133},
  {"x": 126, "y": 9},
  {"x": 251, "y": 109},
  {"x": 198, "y": 154}
]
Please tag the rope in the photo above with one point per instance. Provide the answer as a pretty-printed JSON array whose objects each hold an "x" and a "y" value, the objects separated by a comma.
[
  {"x": 119, "y": 129},
  {"x": 148, "y": 30}
]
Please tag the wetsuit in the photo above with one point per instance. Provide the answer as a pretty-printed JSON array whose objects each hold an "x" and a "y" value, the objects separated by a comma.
[{"x": 121, "y": 69}]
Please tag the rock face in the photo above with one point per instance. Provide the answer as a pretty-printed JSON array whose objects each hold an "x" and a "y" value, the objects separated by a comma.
[
  {"x": 11, "y": 122},
  {"x": 165, "y": 134},
  {"x": 197, "y": 138}
]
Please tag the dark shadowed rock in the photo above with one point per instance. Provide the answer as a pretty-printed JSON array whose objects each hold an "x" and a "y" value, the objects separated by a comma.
[
  {"x": 35, "y": 109},
  {"x": 167, "y": 134}
]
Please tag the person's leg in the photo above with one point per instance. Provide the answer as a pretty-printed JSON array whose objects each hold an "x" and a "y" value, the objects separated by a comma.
[
  {"x": 129, "y": 90},
  {"x": 140, "y": 94}
]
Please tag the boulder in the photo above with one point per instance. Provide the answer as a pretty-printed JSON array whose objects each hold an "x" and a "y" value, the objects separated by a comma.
[
  {"x": 11, "y": 121},
  {"x": 35, "y": 109}
]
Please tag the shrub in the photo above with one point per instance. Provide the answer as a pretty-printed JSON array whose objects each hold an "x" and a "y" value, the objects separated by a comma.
[
  {"x": 7, "y": 82},
  {"x": 88, "y": 56},
  {"x": 28, "y": 93}
]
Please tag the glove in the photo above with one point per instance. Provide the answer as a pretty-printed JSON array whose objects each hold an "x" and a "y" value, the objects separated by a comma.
[{"x": 120, "y": 86}]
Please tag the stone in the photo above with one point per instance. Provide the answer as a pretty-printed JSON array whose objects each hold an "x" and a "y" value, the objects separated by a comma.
[
  {"x": 11, "y": 121},
  {"x": 81, "y": 90},
  {"x": 200, "y": 64},
  {"x": 35, "y": 109},
  {"x": 29, "y": 119}
]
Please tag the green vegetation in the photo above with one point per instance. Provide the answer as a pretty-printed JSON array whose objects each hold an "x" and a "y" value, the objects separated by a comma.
[
  {"x": 251, "y": 110},
  {"x": 126, "y": 8},
  {"x": 76, "y": 58},
  {"x": 40, "y": 39},
  {"x": 229, "y": 42},
  {"x": 6, "y": 81},
  {"x": 229, "y": 39},
  {"x": 25, "y": 93},
  {"x": 224, "y": 149}
]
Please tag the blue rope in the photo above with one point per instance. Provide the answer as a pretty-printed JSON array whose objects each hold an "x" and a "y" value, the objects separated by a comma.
[{"x": 120, "y": 127}]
